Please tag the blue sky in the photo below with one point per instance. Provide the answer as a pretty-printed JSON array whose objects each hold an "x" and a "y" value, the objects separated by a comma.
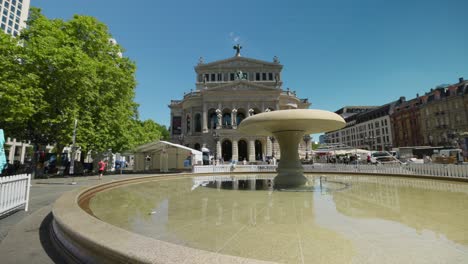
[{"x": 336, "y": 52}]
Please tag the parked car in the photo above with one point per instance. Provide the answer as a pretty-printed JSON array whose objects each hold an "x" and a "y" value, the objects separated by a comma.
[{"x": 383, "y": 157}]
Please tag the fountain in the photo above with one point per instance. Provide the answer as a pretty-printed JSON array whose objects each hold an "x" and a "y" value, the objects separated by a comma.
[
  {"x": 240, "y": 218},
  {"x": 288, "y": 127}
]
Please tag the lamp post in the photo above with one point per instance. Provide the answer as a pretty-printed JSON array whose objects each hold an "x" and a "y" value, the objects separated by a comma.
[
  {"x": 306, "y": 140},
  {"x": 216, "y": 139}
]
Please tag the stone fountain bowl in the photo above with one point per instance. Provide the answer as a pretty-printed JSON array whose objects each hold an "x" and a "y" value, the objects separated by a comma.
[{"x": 309, "y": 121}]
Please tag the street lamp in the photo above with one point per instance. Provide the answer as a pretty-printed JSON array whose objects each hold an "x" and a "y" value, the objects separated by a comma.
[
  {"x": 216, "y": 139},
  {"x": 307, "y": 140}
]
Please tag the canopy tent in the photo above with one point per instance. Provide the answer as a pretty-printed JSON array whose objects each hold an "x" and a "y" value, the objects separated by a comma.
[
  {"x": 163, "y": 155},
  {"x": 333, "y": 152}
]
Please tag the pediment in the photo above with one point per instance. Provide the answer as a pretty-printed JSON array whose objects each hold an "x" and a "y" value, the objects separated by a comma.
[
  {"x": 242, "y": 85},
  {"x": 238, "y": 62}
]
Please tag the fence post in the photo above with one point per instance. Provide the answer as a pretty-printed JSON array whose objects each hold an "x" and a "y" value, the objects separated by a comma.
[{"x": 28, "y": 188}]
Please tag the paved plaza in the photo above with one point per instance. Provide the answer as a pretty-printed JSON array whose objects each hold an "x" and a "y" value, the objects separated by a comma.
[{"x": 24, "y": 235}]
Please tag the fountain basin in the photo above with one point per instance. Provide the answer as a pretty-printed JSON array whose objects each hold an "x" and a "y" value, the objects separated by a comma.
[{"x": 217, "y": 223}]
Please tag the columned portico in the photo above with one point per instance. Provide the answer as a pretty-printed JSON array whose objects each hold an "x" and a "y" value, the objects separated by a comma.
[{"x": 228, "y": 91}]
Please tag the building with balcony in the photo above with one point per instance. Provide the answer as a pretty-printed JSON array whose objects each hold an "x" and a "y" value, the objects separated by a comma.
[
  {"x": 444, "y": 116},
  {"x": 226, "y": 92}
]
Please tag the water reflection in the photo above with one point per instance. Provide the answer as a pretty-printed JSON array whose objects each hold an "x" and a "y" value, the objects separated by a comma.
[{"x": 333, "y": 224}]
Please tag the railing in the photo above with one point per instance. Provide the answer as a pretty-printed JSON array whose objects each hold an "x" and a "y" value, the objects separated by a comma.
[
  {"x": 439, "y": 170},
  {"x": 14, "y": 193},
  {"x": 236, "y": 168}
]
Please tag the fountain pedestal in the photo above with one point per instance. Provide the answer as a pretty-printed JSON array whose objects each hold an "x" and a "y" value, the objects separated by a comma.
[
  {"x": 288, "y": 127},
  {"x": 290, "y": 170}
]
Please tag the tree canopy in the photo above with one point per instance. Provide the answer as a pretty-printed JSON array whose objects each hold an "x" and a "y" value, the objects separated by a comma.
[{"x": 61, "y": 71}]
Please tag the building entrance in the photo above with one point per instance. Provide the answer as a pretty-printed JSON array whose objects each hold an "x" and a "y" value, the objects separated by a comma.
[
  {"x": 242, "y": 148},
  {"x": 227, "y": 150},
  {"x": 258, "y": 150}
]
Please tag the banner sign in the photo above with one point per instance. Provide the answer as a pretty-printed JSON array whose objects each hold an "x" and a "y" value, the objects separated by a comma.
[{"x": 2, "y": 151}]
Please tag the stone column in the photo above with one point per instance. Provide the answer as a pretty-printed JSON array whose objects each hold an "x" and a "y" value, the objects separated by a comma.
[
  {"x": 234, "y": 118},
  {"x": 218, "y": 150},
  {"x": 251, "y": 150},
  {"x": 269, "y": 151},
  {"x": 191, "y": 122},
  {"x": 23, "y": 152},
  {"x": 220, "y": 119},
  {"x": 11, "y": 155},
  {"x": 235, "y": 151},
  {"x": 205, "y": 119}
]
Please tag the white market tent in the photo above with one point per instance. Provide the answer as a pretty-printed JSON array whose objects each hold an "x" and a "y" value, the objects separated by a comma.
[{"x": 163, "y": 155}]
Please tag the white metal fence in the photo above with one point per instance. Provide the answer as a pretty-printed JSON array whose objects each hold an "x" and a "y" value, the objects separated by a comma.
[
  {"x": 14, "y": 193},
  {"x": 440, "y": 170}
]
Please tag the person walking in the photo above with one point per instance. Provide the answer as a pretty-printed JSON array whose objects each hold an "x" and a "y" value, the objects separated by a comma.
[{"x": 102, "y": 166}]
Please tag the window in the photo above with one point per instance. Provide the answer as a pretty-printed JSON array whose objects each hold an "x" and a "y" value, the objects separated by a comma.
[
  {"x": 207, "y": 77},
  {"x": 257, "y": 76},
  {"x": 6, "y": 5},
  {"x": 213, "y": 77},
  {"x": 4, "y": 19},
  {"x": 198, "y": 122},
  {"x": 15, "y": 33},
  {"x": 9, "y": 30},
  {"x": 18, "y": 12},
  {"x": 220, "y": 77},
  {"x": 16, "y": 26},
  {"x": 3, "y": 26},
  {"x": 264, "y": 76},
  {"x": 270, "y": 76},
  {"x": 5, "y": 12},
  {"x": 12, "y": 9},
  {"x": 10, "y": 23},
  {"x": 13, "y": 2},
  {"x": 232, "y": 76}
]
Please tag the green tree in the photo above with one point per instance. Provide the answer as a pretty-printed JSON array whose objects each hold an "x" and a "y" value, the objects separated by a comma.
[
  {"x": 83, "y": 77},
  {"x": 65, "y": 71},
  {"x": 20, "y": 97}
]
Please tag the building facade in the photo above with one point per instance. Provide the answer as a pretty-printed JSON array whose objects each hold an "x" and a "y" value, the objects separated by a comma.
[
  {"x": 444, "y": 116},
  {"x": 369, "y": 128},
  {"x": 226, "y": 92},
  {"x": 14, "y": 14},
  {"x": 406, "y": 122}
]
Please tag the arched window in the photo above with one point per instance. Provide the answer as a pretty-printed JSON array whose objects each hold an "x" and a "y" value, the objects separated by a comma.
[
  {"x": 240, "y": 117},
  {"x": 227, "y": 120},
  {"x": 213, "y": 121},
  {"x": 198, "y": 124},
  {"x": 197, "y": 146}
]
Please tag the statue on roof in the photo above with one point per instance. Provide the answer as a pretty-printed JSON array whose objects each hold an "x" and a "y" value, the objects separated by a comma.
[
  {"x": 276, "y": 59},
  {"x": 201, "y": 61},
  {"x": 237, "y": 47}
]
